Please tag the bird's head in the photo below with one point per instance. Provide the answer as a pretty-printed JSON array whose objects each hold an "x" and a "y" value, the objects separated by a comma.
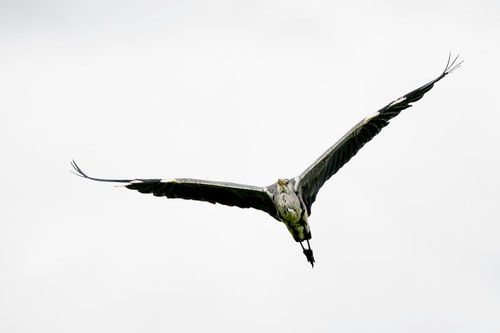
[{"x": 282, "y": 184}]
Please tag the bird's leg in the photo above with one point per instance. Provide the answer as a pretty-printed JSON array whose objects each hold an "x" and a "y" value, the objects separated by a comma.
[{"x": 308, "y": 253}]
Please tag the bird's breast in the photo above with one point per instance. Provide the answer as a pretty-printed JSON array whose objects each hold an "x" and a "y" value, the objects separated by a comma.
[{"x": 289, "y": 208}]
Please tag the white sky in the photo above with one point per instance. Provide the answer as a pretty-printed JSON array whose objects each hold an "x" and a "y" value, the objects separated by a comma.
[{"x": 405, "y": 235}]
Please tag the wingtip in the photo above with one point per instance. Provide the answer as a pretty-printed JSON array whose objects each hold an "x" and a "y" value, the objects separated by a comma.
[
  {"x": 76, "y": 168},
  {"x": 452, "y": 65}
]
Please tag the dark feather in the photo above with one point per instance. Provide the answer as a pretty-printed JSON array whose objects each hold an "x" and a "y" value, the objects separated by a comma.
[
  {"x": 229, "y": 194},
  {"x": 313, "y": 178}
]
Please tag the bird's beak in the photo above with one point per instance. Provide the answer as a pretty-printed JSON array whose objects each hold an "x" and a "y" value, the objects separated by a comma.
[{"x": 282, "y": 182}]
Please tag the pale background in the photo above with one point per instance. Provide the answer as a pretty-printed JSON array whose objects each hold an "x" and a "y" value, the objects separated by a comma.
[{"x": 406, "y": 235}]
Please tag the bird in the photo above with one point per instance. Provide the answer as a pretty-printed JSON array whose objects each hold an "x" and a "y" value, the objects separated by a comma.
[{"x": 289, "y": 200}]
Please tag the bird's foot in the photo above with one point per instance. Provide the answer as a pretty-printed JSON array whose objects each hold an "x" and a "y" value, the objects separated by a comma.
[
  {"x": 309, "y": 256},
  {"x": 308, "y": 253}
]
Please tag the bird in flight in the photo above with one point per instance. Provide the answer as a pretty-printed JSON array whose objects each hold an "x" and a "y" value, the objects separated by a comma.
[{"x": 288, "y": 200}]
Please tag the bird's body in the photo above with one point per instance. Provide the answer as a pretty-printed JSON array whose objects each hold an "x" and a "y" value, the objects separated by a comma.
[
  {"x": 288, "y": 200},
  {"x": 291, "y": 210},
  {"x": 293, "y": 213}
]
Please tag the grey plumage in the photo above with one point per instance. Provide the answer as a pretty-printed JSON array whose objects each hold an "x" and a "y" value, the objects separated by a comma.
[{"x": 287, "y": 200}]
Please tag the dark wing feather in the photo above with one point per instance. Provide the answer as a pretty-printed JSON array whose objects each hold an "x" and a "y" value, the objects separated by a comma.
[
  {"x": 229, "y": 194},
  {"x": 313, "y": 178}
]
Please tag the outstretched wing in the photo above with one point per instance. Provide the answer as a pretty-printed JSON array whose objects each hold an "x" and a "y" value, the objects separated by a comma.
[
  {"x": 311, "y": 180},
  {"x": 229, "y": 194}
]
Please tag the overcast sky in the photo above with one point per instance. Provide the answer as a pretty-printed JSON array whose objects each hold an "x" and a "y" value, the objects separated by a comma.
[{"x": 406, "y": 235}]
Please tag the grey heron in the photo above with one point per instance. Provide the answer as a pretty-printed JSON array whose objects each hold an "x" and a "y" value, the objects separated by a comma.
[{"x": 288, "y": 200}]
